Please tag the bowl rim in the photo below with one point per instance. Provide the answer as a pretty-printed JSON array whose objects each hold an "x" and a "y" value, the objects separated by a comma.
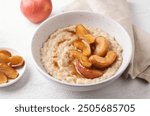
[
  {"x": 89, "y": 84},
  {"x": 24, "y": 68}
]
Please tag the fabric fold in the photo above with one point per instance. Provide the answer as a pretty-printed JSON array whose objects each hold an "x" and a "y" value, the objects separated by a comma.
[{"x": 119, "y": 11}]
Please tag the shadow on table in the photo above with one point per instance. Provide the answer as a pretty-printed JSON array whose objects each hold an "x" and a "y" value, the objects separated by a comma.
[
  {"x": 19, "y": 84},
  {"x": 122, "y": 88}
]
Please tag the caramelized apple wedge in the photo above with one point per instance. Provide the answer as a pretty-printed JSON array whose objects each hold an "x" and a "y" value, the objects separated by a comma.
[
  {"x": 103, "y": 62},
  {"x": 3, "y": 78},
  {"x": 81, "y": 30},
  {"x": 86, "y": 72},
  {"x": 3, "y": 58},
  {"x": 5, "y": 52},
  {"x": 13, "y": 61},
  {"x": 16, "y": 61},
  {"x": 84, "y": 34},
  {"x": 89, "y": 38},
  {"x": 82, "y": 58},
  {"x": 102, "y": 46},
  {"x": 8, "y": 71},
  {"x": 83, "y": 46},
  {"x": 92, "y": 55}
]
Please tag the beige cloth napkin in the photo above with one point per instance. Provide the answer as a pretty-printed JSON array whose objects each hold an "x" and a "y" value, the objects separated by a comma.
[{"x": 119, "y": 11}]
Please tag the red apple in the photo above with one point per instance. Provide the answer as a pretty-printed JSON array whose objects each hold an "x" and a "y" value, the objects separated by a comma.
[
  {"x": 86, "y": 72},
  {"x": 36, "y": 10}
]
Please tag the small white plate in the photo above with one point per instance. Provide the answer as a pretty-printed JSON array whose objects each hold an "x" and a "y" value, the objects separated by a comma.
[{"x": 19, "y": 70}]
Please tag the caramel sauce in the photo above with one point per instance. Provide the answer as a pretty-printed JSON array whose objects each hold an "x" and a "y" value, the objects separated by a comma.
[{"x": 55, "y": 64}]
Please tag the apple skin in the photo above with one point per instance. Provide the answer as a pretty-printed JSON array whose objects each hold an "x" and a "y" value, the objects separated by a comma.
[
  {"x": 86, "y": 72},
  {"x": 36, "y": 11},
  {"x": 103, "y": 62}
]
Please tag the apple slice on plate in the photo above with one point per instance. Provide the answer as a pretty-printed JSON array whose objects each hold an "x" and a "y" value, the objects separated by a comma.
[{"x": 13, "y": 74}]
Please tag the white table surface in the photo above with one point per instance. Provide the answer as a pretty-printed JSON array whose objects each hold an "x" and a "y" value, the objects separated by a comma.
[{"x": 16, "y": 32}]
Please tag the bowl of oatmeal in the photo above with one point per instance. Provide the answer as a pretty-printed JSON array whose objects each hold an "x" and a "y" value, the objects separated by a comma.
[{"x": 81, "y": 50}]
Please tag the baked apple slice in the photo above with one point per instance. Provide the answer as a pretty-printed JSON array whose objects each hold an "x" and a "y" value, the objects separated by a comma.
[
  {"x": 8, "y": 71},
  {"x": 82, "y": 58},
  {"x": 103, "y": 62},
  {"x": 89, "y": 38},
  {"x": 3, "y": 78},
  {"x": 5, "y": 52},
  {"x": 86, "y": 72},
  {"x": 83, "y": 46},
  {"x": 3, "y": 58},
  {"x": 16, "y": 61},
  {"x": 84, "y": 34},
  {"x": 81, "y": 30},
  {"x": 101, "y": 46}
]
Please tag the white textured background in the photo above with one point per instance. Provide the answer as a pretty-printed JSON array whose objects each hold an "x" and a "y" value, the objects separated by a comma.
[{"x": 16, "y": 32}]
